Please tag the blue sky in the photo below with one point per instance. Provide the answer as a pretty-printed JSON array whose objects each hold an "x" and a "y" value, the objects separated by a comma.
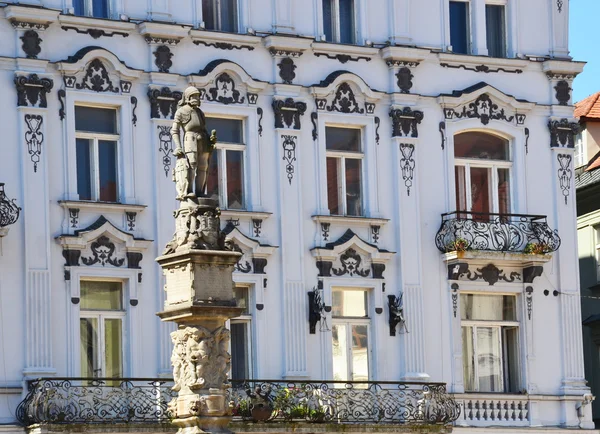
[{"x": 584, "y": 41}]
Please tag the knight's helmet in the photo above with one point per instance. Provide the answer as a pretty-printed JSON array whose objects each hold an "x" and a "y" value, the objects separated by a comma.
[{"x": 191, "y": 90}]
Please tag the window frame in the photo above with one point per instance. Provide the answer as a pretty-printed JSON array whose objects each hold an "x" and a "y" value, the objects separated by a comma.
[
  {"x": 349, "y": 321},
  {"x": 503, "y": 4},
  {"x": 221, "y": 149},
  {"x": 217, "y": 15},
  {"x": 93, "y": 139},
  {"x": 501, "y": 326},
  {"x": 468, "y": 32},
  {"x": 580, "y": 150},
  {"x": 336, "y": 25},
  {"x": 341, "y": 157},
  {"x": 492, "y": 166},
  {"x": 247, "y": 320},
  {"x": 88, "y": 9},
  {"x": 101, "y": 315}
]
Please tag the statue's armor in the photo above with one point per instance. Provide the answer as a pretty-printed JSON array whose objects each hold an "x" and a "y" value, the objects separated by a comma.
[{"x": 196, "y": 137}]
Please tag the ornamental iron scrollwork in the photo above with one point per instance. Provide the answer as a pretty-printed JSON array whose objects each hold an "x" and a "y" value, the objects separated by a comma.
[
  {"x": 404, "y": 78},
  {"x": 289, "y": 155},
  {"x": 96, "y": 400},
  {"x": 563, "y": 92},
  {"x": 565, "y": 174},
  {"x": 9, "y": 211},
  {"x": 224, "y": 91},
  {"x": 462, "y": 230},
  {"x": 396, "y": 313},
  {"x": 288, "y": 113},
  {"x": 34, "y": 138},
  {"x": 286, "y": 70},
  {"x": 163, "y": 102},
  {"x": 351, "y": 262},
  {"x": 483, "y": 108},
  {"x": 490, "y": 274},
  {"x": 345, "y": 101},
  {"x": 165, "y": 146},
  {"x": 31, "y": 44},
  {"x": 344, "y": 402},
  {"x": 32, "y": 90},
  {"x": 162, "y": 58},
  {"x": 407, "y": 164},
  {"x": 405, "y": 121},
  {"x": 102, "y": 253},
  {"x": 562, "y": 133},
  {"x": 97, "y": 79}
]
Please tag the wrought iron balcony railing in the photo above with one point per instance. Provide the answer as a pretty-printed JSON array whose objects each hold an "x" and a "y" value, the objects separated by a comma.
[
  {"x": 461, "y": 230},
  {"x": 108, "y": 401}
]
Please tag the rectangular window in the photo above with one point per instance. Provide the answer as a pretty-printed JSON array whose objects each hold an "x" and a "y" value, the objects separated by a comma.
[
  {"x": 241, "y": 333},
  {"x": 96, "y": 153},
  {"x": 101, "y": 324},
  {"x": 350, "y": 335},
  {"x": 344, "y": 171},
  {"x": 580, "y": 157},
  {"x": 490, "y": 336},
  {"x": 220, "y": 15},
  {"x": 226, "y": 167},
  {"x": 91, "y": 8},
  {"x": 338, "y": 21},
  {"x": 459, "y": 27},
  {"x": 495, "y": 25}
]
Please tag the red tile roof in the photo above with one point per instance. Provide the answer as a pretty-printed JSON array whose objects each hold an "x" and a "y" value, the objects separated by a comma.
[{"x": 588, "y": 108}]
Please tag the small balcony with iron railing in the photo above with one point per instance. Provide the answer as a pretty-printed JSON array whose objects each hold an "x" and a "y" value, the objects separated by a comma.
[
  {"x": 264, "y": 405},
  {"x": 462, "y": 231}
]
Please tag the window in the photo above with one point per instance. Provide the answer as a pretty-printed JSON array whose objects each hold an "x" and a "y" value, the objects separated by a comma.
[
  {"x": 580, "y": 156},
  {"x": 91, "y": 8},
  {"x": 226, "y": 167},
  {"x": 350, "y": 335},
  {"x": 495, "y": 28},
  {"x": 490, "y": 338},
  {"x": 338, "y": 21},
  {"x": 459, "y": 27},
  {"x": 597, "y": 231},
  {"x": 101, "y": 329},
  {"x": 241, "y": 332},
  {"x": 220, "y": 15},
  {"x": 344, "y": 171},
  {"x": 482, "y": 171},
  {"x": 96, "y": 153}
]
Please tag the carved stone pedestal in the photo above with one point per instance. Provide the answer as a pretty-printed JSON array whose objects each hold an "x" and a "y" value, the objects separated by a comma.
[{"x": 200, "y": 300}]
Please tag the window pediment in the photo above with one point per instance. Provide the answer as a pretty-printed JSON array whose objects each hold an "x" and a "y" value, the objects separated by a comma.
[
  {"x": 350, "y": 256},
  {"x": 254, "y": 254},
  {"x": 102, "y": 244},
  {"x": 226, "y": 82},
  {"x": 486, "y": 103},
  {"x": 345, "y": 92},
  {"x": 98, "y": 70}
]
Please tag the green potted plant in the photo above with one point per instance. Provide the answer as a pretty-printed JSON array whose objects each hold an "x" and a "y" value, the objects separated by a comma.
[
  {"x": 536, "y": 248},
  {"x": 458, "y": 245}
]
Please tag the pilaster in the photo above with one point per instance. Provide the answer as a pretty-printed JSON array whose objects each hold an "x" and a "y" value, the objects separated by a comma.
[
  {"x": 399, "y": 22},
  {"x": 479, "y": 41},
  {"x": 283, "y": 21},
  {"x": 559, "y": 30}
]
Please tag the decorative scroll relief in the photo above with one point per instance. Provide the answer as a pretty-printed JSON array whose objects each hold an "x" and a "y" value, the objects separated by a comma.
[
  {"x": 200, "y": 358},
  {"x": 32, "y": 90},
  {"x": 165, "y": 146},
  {"x": 163, "y": 102},
  {"x": 489, "y": 273},
  {"x": 405, "y": 122},
  {"x": 103, "y": 252},
  {"x": 289, "y": 155},
  {"x": 407, "y": 165},
  {"x": 346, "y": 100},
  {"x": 224, "y": 91},
  {"x": 484, "y": 109},
  {"x": 288, "y": 113},
  {"x": 34, "y": 138},
  {"x": 243, "y": 265},
  {"x": 97, "y": 79},
  {"x": 565, "y": 174},
  {"x": 352, "y": 264},
  {"x": 562, "y": 133}
]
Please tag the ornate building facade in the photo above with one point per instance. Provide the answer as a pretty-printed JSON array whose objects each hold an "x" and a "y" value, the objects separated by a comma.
[{"x": 397, "y": 174}]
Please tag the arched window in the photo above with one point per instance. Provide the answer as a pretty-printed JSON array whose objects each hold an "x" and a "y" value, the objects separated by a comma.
[{"x": 482, "y": 172}]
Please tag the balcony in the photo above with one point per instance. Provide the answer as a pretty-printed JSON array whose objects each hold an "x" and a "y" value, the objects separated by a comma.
[
  {"x": 517, "y": 233},
  {"x": 70, "y": 401}
]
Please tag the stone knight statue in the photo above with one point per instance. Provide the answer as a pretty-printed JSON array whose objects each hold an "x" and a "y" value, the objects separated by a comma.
[{"x": 197, "y": 146}]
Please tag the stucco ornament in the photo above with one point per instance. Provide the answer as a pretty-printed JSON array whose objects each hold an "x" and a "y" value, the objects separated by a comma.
[
  {"x": 197, "y": 146},
  {"x": 200, "y": 358}
]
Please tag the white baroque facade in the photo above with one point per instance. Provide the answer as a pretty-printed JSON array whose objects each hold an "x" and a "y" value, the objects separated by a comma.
[{"x": 348, "y": 129}]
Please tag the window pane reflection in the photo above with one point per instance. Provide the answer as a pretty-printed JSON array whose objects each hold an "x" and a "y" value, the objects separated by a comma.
[
  {"x": 353, "y": 187},
  {"x": 235, "y": 174},
  {"x": 107, "y": 159},
  {"x": 333, "y": 186}
]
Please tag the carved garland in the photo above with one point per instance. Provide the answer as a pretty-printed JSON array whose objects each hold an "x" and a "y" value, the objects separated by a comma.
[{"x": 484, "y": 109}]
